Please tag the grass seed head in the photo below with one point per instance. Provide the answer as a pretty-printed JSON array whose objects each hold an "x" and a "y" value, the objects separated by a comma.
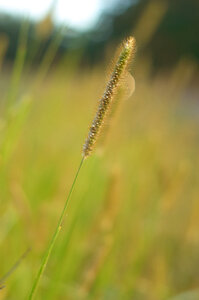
[{"x": 127, "y": 51}]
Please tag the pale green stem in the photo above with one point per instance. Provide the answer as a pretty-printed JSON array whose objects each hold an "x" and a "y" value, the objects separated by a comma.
[{"x": 53, "y": 240}]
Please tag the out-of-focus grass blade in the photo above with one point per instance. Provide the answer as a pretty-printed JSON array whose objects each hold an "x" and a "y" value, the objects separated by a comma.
[
  {"x": 18, "y": 64},
  {"x": 149, "y": 21},
  {"x": 13, "y": 268},
  {"x": 49, "y": 57},
  {"x": 13, "y": 127}
]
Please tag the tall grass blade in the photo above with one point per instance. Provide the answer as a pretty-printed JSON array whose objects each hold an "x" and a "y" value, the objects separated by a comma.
[{"x": 54, "y": 238}]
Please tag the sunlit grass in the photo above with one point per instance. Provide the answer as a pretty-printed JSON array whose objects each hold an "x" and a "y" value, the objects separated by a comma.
[{"x": 131, "y": 230}]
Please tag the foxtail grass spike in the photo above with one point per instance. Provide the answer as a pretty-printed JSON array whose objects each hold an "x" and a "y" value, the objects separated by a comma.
[{"x": 127, "y": 51}]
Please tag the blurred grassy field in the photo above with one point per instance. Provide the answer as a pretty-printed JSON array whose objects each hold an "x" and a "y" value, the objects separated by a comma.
[{"x": 131, "y": 230}]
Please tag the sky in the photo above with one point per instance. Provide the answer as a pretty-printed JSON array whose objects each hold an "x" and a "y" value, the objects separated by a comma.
[{"x": 80, "y": 14}]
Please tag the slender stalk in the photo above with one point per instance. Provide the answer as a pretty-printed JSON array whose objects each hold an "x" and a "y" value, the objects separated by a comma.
[
  {"x": 105, "y": 104},
  {"x": 53, "y": 240}
]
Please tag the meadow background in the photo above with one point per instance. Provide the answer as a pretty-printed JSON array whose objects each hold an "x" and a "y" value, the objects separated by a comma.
[{"x": 131, "y": 230}]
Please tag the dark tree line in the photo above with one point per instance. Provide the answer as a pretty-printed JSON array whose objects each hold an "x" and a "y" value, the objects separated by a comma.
[{"x": 176, "y": 35}]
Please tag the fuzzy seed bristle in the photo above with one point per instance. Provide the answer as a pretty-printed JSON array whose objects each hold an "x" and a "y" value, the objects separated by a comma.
[{"x": 126, "y": 53}]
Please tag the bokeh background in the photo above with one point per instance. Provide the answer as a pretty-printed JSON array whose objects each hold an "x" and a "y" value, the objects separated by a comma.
[{"x": 131, "y": 230}]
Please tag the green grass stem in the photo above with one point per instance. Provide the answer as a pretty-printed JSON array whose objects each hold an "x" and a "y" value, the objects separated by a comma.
[{"x": 54, "y": 238}]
